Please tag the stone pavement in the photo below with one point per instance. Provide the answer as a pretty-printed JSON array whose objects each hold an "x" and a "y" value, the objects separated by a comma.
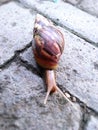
[{"x": 22, "y": 88}]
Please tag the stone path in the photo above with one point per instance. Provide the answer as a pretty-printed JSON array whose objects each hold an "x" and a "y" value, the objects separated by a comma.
[{"x": 22, "y": 88}]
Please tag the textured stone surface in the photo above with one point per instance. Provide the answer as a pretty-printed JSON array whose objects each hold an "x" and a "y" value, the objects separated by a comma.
[
  {"x": 21, "y": 104},
  {"x": 16, "y": 25},
  {"x": 78, "y": 69},
  {"x": 92, "y": 124},
  {"x": 75, "y": 19},
  {"x": 89, "y": 6}
]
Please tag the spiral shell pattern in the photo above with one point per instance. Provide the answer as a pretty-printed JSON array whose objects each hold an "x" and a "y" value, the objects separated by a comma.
[{"x": 48, "y": 43}]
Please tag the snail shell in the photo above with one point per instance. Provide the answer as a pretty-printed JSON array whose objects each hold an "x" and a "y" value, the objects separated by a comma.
[{"x": 48, "y": 43}]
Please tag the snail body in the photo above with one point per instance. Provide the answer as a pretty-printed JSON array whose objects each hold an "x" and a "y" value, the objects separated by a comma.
[{"x": 48, "y": 46}]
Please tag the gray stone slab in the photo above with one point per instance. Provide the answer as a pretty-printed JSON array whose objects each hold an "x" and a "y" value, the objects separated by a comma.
[
  {"x": 92, "y": 124},
  {"x": 73, "y": 18},
  {"x": 78, "y": 69},
  {"x": 90, "y": 6},
  {"x": 16, "y": 25},
  {"x": 21, "y": 104}
]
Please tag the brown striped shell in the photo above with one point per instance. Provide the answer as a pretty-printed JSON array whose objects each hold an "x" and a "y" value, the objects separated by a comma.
[{"x": 48, "y": 43}]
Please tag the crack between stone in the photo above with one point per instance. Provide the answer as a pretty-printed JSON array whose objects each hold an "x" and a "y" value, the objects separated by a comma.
[
  {"x": 87, "y": 113},
  {"x": 29, "y": 67},
  {"x": 86, "y": 108},
  {"x": 7, "y": 63},
  {"x": 83, "y": 106},
  {"x": 17, "y": 59},
  {"x": 84, "y": 120},
  {"x": 6, "y": 2},
  {"x": 14, "y": 57}
]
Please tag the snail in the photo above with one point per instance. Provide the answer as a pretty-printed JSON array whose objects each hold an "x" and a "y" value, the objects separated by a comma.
[{"x": 48, "y": 46}]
